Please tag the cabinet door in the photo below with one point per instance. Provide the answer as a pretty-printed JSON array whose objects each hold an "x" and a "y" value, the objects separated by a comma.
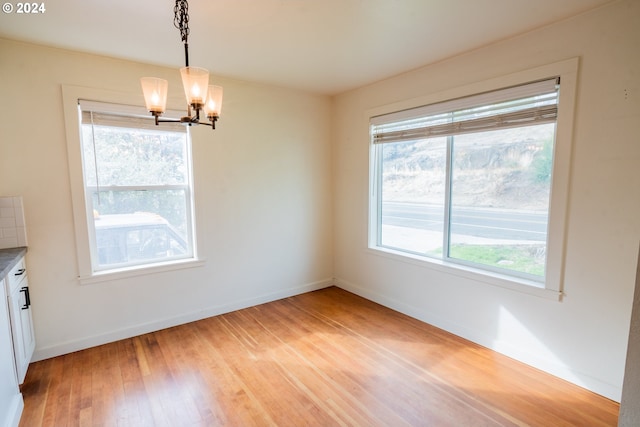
[
  {"x": 22, "y": 328},
  {"x": 10, "y": 397}
]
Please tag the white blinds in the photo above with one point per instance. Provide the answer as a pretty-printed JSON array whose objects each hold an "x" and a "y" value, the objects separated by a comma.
[
  {"x": 124, "y": 116},
  {"x": 529, "y": 104}
]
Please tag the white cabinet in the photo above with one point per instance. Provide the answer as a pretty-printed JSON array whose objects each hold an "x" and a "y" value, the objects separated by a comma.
[
  {"x": 11, "y": 402},
  {"x": 19, "y": 301}
]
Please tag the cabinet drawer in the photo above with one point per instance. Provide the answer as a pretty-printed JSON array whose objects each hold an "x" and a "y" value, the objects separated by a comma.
[{"x": 16, "y": 275}]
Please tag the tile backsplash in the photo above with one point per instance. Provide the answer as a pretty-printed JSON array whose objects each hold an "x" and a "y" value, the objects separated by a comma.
[{"x": 13, "y": 233}]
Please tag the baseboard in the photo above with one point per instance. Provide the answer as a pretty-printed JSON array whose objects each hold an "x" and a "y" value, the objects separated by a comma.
[
  {"x": 578, "y": 378},
  {"x": 156, "y": 325},
  {"x": 12, "y": 417}
]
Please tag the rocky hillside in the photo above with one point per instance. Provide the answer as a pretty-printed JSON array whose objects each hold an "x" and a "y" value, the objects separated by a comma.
[{"x": 501, "y": 169}]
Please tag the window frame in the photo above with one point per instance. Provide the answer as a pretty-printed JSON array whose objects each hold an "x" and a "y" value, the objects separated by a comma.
[
  {"x": 82, "y": 222},
  {"x": 552, "y": 286}
]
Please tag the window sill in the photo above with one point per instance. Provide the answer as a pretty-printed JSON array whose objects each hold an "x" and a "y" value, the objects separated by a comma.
[
  {"x": 143, "y": 270},
  {"x": 487, "y": 277}
]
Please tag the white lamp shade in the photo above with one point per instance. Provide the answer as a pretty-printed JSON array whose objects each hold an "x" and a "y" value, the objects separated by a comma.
[
  {"x": 195, "y": 81},
  {"x": 213, "y": 105},
  {"x": 155, "y": 94}
]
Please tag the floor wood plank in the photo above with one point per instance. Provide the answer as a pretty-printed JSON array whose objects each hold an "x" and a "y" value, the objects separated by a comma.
[{"x": 326, "y": 358}]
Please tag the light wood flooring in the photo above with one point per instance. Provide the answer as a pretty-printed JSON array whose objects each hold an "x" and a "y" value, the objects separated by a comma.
[{"x": 326, "y": 358}]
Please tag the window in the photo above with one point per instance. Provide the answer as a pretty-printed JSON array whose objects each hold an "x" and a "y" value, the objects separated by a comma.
[
  {"x": 137, "y": 188},
  {"x": 466, "y": 183}
]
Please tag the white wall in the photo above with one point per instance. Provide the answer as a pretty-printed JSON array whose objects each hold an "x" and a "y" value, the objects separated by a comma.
[
  {"x": 584, "y": 337},
  {"x": 262, "y": 195}
]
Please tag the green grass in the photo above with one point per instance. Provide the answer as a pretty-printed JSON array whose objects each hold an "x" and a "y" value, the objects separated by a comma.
[{"x": 523, "y": 258}]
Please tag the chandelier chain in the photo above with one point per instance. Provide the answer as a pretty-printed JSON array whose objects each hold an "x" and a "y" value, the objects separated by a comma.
[{"x": 181, "y": 18}]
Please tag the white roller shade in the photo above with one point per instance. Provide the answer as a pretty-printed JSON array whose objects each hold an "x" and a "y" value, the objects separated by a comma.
[
  {"x": 532, "y": 103},
  {"x": 127, "y": 116}
]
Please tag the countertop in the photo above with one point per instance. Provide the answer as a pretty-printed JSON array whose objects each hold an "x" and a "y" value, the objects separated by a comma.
[{"x": 9, "y": 258}]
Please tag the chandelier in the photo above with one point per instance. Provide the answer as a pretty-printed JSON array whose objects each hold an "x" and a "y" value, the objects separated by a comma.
[{"x": 201, "y": 97}]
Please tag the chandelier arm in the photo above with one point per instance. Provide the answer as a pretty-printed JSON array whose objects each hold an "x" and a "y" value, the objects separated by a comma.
[{"x": 212, "y": 124}]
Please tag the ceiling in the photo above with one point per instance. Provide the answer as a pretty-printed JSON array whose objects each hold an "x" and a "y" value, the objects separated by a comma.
[{"x": 322, "y": 46}]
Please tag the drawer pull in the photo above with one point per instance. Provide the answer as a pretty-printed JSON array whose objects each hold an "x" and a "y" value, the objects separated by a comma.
[
  {"x": 20, "y": 272},
  {"x": 27, "y": 298}
]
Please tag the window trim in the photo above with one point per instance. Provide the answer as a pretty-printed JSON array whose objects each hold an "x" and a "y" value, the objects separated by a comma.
[
  {"x": 552, "y": 287},
  {"x": 86, "y": 275}
]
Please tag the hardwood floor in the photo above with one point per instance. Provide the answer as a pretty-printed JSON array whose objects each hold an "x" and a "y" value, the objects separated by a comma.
[{"x": 326, "y": 358}]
